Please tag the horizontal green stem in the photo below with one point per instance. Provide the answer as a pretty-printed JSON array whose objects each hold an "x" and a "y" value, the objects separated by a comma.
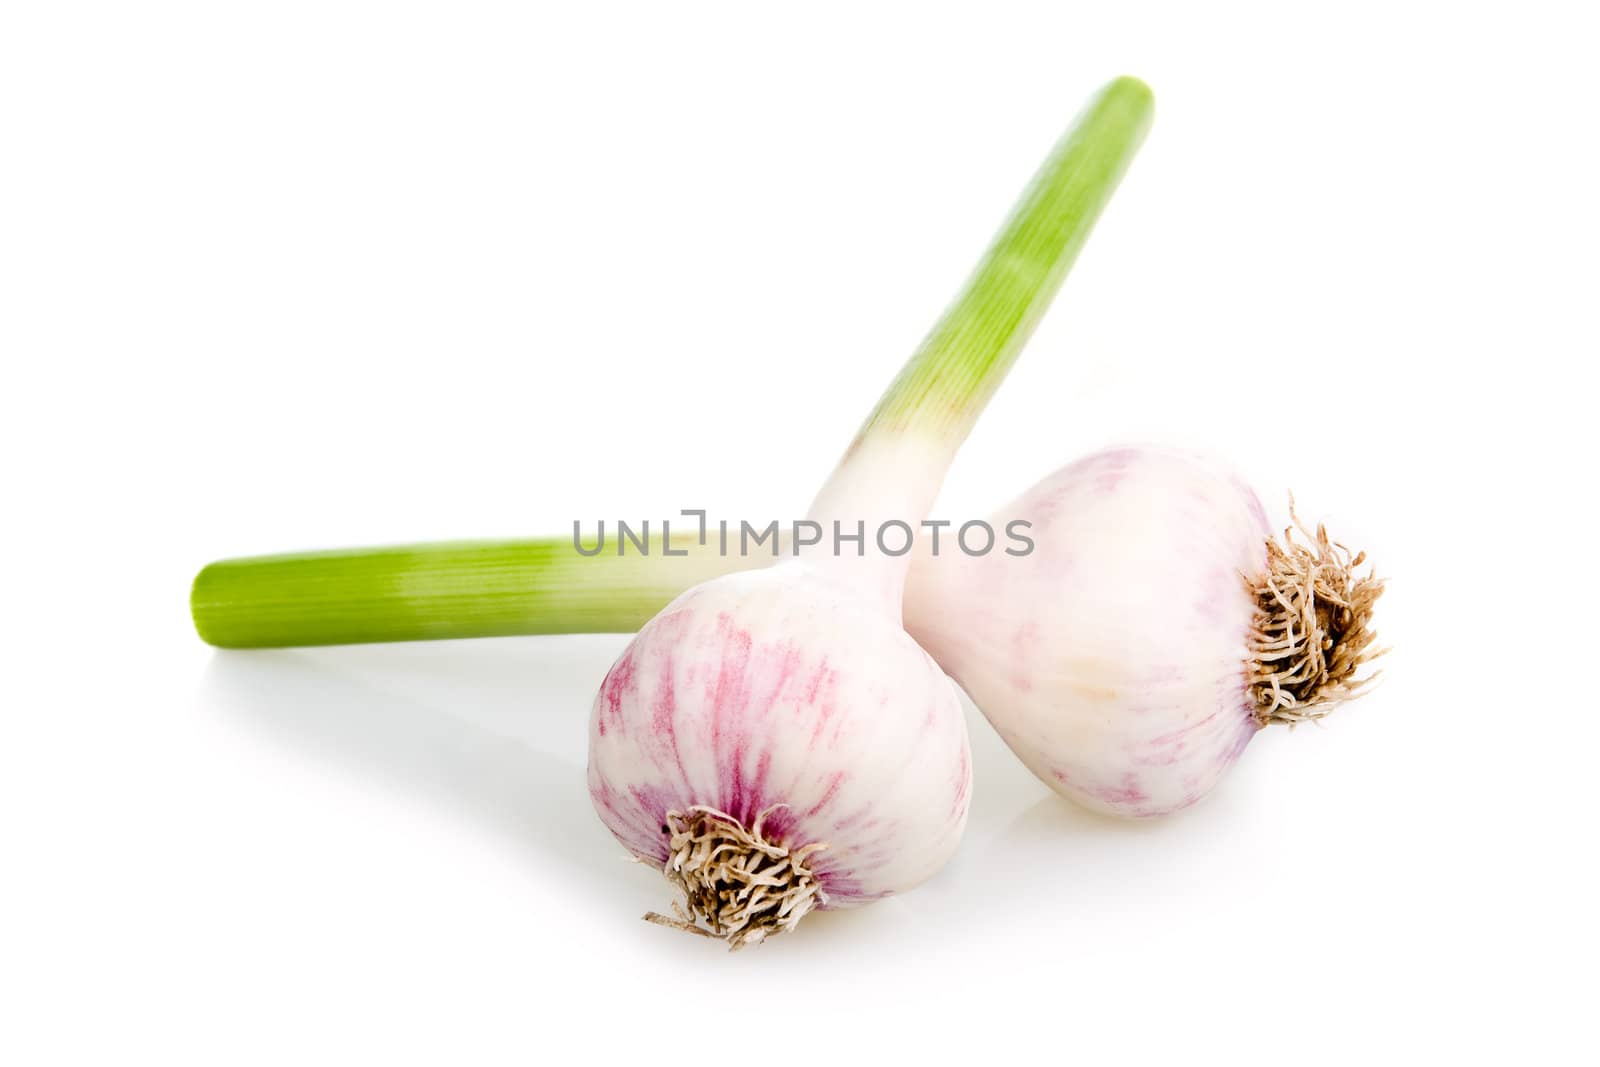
[{"x": 444, "y": 590}]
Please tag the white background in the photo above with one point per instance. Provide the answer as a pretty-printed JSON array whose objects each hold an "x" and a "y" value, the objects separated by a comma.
[{"x": 295, "y": 275}]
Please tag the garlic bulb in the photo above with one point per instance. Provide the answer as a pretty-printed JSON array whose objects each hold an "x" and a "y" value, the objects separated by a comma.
[
  {"x": 775, "y": 743},
  {"x": 1156, "y": 626}
]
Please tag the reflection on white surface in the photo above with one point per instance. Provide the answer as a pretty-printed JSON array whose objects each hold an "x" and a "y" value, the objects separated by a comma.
[{"x": 495, "y": 731}]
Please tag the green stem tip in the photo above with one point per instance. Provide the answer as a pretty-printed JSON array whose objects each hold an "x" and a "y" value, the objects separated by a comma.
[{"x": 961, "y": 362}]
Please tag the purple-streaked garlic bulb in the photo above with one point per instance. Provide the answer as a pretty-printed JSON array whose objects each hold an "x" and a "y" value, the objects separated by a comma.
[
  {"x": 1154, "y": 628},
  {"x": 775, "y": 743}
]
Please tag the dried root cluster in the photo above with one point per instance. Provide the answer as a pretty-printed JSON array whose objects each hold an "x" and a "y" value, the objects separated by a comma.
[
  {"x": 1313, "y": 630},
  {"x": 737, "y": 885}
]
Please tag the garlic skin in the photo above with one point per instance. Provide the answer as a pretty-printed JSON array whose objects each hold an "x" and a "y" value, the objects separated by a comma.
[
  {"x": 1114, "y": 659},
  {"x": 782, "y": 687}
]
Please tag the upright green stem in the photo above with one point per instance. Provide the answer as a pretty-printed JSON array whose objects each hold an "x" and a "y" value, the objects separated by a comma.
[
  {"x": 961, "y": 362},
  {"x": 897, "y": 461}
]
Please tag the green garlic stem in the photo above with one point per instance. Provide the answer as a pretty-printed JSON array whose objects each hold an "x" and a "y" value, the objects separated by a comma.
[
  {"x": 897, "y": 461},
  {"x": 444, "y": 590},
  {"x": 961, "y": 362}
]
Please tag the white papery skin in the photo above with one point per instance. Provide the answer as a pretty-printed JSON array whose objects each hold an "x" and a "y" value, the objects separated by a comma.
[
  {"x": 783, "y": 687},
  {"x": 1113, "y": 658}
]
